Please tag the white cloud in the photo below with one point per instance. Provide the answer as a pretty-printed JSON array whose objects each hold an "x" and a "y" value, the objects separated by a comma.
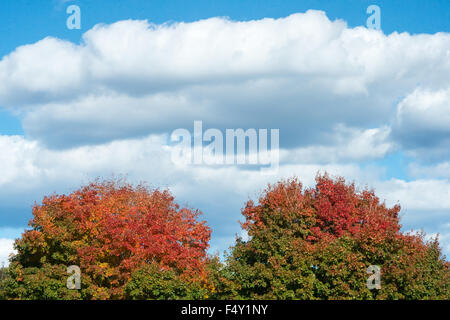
[
  {"x": 35, "y": 171},
  {"x": 426, "y": 109},
  {"x": 422, "y": 123},
  {"x": 6, "y": 248},
  {"x": 423, "y": 194},
  {"x": 344, "y": 144},
  {"x": 303, "y": 74},
  {"x": 440, "y": 170},
  {"x": 106, "y": 106}
]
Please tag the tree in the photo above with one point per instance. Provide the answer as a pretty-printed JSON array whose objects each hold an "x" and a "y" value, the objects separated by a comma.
[
  {"x": 317, "y": 243},
  {"x": 304, "y": 243},
  {"x": 151, "y": 283},
  {"x": 110, "y": 230}
]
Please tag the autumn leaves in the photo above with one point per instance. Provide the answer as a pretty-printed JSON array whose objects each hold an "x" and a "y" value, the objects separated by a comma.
[{"x": 132, "y": 242}]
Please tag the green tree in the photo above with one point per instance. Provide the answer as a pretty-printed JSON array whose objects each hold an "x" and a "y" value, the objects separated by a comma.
[{"x": 317, "y": 243}]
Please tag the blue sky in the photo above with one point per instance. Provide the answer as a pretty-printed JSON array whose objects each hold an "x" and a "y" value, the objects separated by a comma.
[{"x": 371, "y": 106}]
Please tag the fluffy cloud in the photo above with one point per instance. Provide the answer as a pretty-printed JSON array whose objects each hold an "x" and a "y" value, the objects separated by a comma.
[
  {"x": 441, "y": 170},
  {"x": 6, "y": 248},
  {"x": 426, "y": 195},
  {"x": 422, "y": 123},
  {"x": 344, "y": 144},
  {"x": 303, "y": 74},
  {"x": 220, "y": 192},
  {"x": 339, "y": 95}
]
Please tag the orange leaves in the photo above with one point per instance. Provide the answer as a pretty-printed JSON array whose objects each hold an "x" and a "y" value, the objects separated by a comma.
[
  {"x": 111, "y": 229},
  {"x": 303, "y": 243}
]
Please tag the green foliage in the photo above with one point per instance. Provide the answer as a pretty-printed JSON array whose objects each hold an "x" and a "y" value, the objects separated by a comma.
[
  {"x": 314, "y": 243},
  {"x": 36, "y": 283},
  {"x": 153, "y": 283},
  {"x": 4, "y": 279},
  {"x": 317, "y": 244}
]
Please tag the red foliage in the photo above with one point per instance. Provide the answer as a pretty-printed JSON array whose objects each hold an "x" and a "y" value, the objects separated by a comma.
[
  {"x": 330, "y": 210},
  {"x": 317, "y": 242},
  {"x": 112, "y": 229}
]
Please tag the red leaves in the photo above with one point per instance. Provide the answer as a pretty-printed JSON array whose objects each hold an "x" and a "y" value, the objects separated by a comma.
[
  {"x": 113, "y": 229},
  {"x": 328, "y": 211}
]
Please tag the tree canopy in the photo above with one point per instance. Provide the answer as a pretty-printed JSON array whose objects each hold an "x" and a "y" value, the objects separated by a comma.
[
  {"x": 317, "y": 243},
  {"x": 110, "y": 230},
  {"x": 303, "y": 243}
]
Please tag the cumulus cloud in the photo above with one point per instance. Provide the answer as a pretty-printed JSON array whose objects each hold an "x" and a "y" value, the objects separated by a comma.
[
  {"x": 429, "y": 194},
  {"x": 339, "y": 95},
  {"x": 344, "y": 144},
  {"x": 6, "y": 248},
  {"x": 220, "y": 192},
  {"x": 303, "y": 74},
  {"x": 422, "y": 123},
  {"x": 439, "y": 170}
]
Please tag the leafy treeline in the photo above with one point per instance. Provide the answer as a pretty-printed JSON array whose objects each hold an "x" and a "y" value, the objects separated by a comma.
[{"x": 303, "y": 243}]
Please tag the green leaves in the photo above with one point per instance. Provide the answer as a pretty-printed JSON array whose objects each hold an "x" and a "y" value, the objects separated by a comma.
[
  {"x": 152, "y": 283},
  {"x": 136, "y": 243},
  {"x": 317, "y": 244}
]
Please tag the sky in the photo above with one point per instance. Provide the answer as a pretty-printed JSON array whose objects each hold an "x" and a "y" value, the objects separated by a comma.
[{"x": 370, "y": 105}]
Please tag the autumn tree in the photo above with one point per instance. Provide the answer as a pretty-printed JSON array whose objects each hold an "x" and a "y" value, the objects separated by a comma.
[
  {"x": 114, "y": 232},
  {"x": 317, "y": 243}
]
